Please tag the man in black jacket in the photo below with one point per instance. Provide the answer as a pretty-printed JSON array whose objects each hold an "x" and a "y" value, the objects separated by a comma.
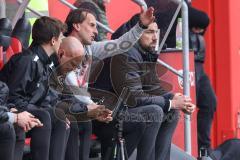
[
  {"x": 206, "y": 98},
  {"x": 24, "y": 122},
  {"x": 136, "y": 70},
  {"x": 26, "y": 75}
]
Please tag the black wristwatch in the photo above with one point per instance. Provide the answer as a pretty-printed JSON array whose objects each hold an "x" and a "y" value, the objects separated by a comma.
[{"x": 142, "y": 25}]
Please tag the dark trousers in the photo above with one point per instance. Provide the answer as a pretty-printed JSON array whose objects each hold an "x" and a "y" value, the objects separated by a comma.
[
  {"x": 78, "y": 144},
  {"x": 48, "y": 142},
  {"x": 152, "y": 118},
  {"x": 164, "y": 136},
  {"x": 85, "y": 132},
  {"x": 72, "y": 152},
  {"x": 40, "y": 137},
  {"x": 8, "y": 135},
  {"x": 206, "y": 102},
  {"x": 140, "y": 130}
]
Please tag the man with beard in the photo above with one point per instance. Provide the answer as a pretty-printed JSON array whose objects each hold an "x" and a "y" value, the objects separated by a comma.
[{"x": 136, "y": 69}]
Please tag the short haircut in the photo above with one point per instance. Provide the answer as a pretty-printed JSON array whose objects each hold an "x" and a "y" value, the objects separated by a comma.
[
  {"x": 45, "y": 28},
  {"x": 76, "y": 16}
]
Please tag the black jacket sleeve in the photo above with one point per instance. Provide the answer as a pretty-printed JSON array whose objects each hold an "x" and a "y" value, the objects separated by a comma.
[
  {"x": 3, "y": 114},
  {"x": 127, "y": 72},
  {"x": 19, "y": 73},
  {"x": 3, "y": 97}
]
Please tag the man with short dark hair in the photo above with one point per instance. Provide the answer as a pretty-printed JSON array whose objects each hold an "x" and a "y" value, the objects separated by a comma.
[{"x": 26, "y": 75}]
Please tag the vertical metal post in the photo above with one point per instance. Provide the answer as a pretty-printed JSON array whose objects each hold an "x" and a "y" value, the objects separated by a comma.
[
  {"x": 20, "y": 12},
  {"x": 186, "y": 83},
  {"x": 32, "y": 10},
  {"x": 2, "y": 9},
  {"x": 98, "y": 23}
]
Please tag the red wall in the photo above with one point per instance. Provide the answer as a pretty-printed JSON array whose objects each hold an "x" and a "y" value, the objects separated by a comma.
[
  {"x": 210, "y": 64},
  {"x": 227, "y": 43},
  {"x": 224, "y": 64},
  {"x": 117, "y": 13},
  {"x": 57, "y": 9}
]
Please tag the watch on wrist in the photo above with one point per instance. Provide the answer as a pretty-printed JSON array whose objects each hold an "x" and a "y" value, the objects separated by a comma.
[{"x": 142, "y": 25}]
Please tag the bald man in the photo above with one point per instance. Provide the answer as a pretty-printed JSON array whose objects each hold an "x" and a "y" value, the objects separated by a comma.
[{"x": 70, "y": 55}]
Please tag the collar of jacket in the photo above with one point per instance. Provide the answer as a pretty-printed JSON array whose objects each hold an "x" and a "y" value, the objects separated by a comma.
[
  {"x": 37, "y": 49},
  {"x": 146, "y": 55}
]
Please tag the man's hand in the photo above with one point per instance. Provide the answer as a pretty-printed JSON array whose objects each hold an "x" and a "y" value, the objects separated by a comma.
[
  {"x": 36, "y": 123},
  {"x": 146, "y": 17},
  {"x": 183, "y": 103},
  {"x": 99, "y": 112},
  {"x": 189, "y": 109},
  {"x": 92, "y": 106},
  {"x": 13, "y": 110},
  {"x": 27, "y": 121},
  {"x": 68, "y": 123},
  {"x": 180, "y": 101},
  {"x": 105, "y": 116}
]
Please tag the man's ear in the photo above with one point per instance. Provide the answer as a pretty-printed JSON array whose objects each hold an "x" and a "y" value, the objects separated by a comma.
[
  {"x": 53, "y": 41},
  {"x": 61, "y": 53},
  {"x": 76, "y": 26}
]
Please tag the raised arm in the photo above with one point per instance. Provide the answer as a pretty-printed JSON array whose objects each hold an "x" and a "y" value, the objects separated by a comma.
[{"x": 125, "y": 42}]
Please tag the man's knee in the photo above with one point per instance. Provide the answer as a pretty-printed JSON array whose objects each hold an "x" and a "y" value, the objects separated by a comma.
[
  {"x": 172, "y": 116},
  {"x": 151, "y": 113},
  {"x": 44, "y": 117},
  {"x": 7, "y": 132},
  {"x": 157, "y": 113}
]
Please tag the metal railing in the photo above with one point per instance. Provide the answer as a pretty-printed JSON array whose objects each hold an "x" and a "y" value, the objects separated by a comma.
[
  {"x": 98, "y": 23},
  {"x": 2, "y": 9},
  {"x": 186, "y": 78},
  {"x": 20, "y": 12},
  {"x": 31, "y": 9}
]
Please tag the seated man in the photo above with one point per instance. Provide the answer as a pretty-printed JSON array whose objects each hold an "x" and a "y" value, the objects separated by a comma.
[
  {"x": 136, "y": 70},
  {"x": 24, "y": 122},
  {"x": 82, "y": 25},
  {"x": 70, "y": 55},
  {"x": 26, "y": 75}
]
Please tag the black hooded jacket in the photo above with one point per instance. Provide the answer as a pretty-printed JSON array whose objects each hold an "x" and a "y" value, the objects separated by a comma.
[{"x": 26, "y": 75}]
